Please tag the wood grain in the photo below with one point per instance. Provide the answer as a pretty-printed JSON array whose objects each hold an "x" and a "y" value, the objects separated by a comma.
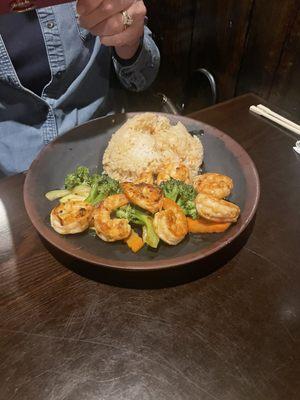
[
  {"x": 219, "y": 35},
  {"x": 172, "y": 25},
  {"x": 249, "y": 45},
  {"x": 231, "y": 335},
  {"x": 268, "y": 32},
  {"x": 285, "y": 87}
]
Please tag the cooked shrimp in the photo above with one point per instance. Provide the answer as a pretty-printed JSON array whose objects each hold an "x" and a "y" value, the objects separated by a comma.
[
  {"x": 107, "y": 228},
  {"x": 171, "y": 223},
  {"x": 216, "y": 185},
  {"x": 215, "y": 209},
  {"x": 146, "y": 196},
  {"x": 170, "y": 170},
  {"x": 145, "y": 177},
  {"x": 73, "y": 216}
]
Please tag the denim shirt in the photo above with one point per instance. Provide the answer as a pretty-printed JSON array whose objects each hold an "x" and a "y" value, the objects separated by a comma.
[{"x": 78, "y": 91}]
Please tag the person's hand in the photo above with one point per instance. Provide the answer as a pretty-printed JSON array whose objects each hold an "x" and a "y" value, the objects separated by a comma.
[{"x": 104, "y": 18}]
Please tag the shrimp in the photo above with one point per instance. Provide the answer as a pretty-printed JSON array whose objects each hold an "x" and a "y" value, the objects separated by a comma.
[
  {"x": 216, "y": 210},
  {"x": 171, "y": 223},
  {"x": 73, "y": 216},
  {"x": 216, "y": 185},
  {"x": 145, "y": 177},
  {"x": 170, "y": 170},
  {"x": 146, "y": 196},
  {"x": 107, "y": 228}
]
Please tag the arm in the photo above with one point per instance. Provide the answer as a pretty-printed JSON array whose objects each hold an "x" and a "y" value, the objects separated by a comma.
[
  {"x": 135, "y": 56},
  {"x": 139, "y": 72}
]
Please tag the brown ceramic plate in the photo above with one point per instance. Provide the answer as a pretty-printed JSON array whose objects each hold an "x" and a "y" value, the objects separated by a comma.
[{"x": 85, "y": 145}]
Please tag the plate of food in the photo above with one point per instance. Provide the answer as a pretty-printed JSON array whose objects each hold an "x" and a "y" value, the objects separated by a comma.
[{"x": 141, "y": 191}]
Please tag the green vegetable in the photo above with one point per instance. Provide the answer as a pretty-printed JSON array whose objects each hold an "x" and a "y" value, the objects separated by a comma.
[
  {"x": 138, "y": 217},
  {"x": 93, "y": 194},
  {"x": 81, "y": 176},
  {"x": 95, "y": 187},
  {"x": 102, "y": 188},
  {"x": 189, "y": 208},
  {"x": 183, "y": 194},
  {"x": 56, "y": 194},
  {"x": 73, "y": 197},
  {"x": 82, "y": 190},
  {"x": 97, "y": 178},
  {"x": 77, "y": 193}
]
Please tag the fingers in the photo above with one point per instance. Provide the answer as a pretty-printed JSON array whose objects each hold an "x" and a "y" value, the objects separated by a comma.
[
  {"x": 105, "y": 9},
  {"x": 103, "y": 18},
  {"x": 108, "y": 27},
  {"x": 129, "y": 36},
  {"x": 87, "y": 6}
]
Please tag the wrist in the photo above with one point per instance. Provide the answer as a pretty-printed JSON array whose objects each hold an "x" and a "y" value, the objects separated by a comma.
[{"x": 128, "y": 51}]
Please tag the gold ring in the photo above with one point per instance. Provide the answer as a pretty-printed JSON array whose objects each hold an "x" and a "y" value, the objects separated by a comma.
[{"x": 127, "y": 19}]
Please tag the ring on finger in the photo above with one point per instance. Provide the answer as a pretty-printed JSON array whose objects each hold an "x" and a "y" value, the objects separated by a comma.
[{"x": 127, "y": 19}]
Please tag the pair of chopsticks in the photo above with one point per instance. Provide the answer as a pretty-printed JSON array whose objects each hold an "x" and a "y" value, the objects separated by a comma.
[{"x": 271, "y": 115}]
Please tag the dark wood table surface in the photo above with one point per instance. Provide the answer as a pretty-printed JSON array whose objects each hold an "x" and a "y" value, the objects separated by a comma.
[{"x": 232, "y": 335}]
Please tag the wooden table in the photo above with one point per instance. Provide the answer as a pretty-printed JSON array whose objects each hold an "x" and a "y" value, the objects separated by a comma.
[{"x": 233, "y": 335}]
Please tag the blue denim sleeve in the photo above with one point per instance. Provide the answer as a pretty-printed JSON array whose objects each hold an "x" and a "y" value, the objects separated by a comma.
[{"x": 139, "y": 75}]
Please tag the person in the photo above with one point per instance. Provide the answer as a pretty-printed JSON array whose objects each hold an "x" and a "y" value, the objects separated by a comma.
[{"x": 55, "y": 70}]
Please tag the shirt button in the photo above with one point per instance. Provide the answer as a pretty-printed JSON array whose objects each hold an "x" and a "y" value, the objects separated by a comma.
[
  {"x": 58, "y": 74},
  {"x": 50, "y": 24}
]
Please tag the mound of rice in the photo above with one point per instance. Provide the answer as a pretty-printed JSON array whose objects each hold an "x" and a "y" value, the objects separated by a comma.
[{"x": 145, "y": 143}]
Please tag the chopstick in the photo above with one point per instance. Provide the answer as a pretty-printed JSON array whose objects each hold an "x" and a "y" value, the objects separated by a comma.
[{"x": 279, "y": 119}]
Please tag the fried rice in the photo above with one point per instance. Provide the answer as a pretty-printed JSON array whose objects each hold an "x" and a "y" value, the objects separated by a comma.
[{"x": 146, "y": 142}]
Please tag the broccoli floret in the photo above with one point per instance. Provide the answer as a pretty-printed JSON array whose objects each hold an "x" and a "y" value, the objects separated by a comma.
[
  {"x": 102, "y": 187},
  {"x": 110, "y": 185},
  {"x": 171, "y": 189},
  {"x": 101, "y": 184},
  {"x": 138, "y": 217},
  {"x": 183, "y": 194},
  {"x": 189, "y": 208},
  {"x": 93, "y": 194},
  {"x": 97, "y": 178},
  {"x": 81, "y": 176}
]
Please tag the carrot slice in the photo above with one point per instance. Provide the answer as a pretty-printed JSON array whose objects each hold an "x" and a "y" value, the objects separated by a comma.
[
  {"x": 202, "y": 225},
  {"x": 134, "y": 242}
]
